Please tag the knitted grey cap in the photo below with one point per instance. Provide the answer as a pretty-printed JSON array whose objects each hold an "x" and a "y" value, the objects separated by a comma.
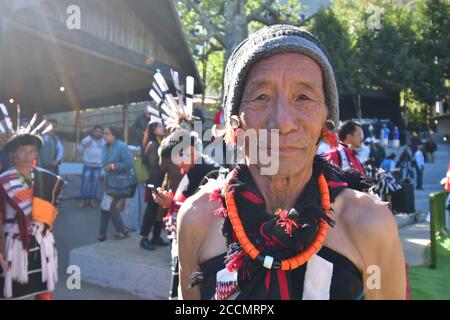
[{"x": 269, "y": 41}]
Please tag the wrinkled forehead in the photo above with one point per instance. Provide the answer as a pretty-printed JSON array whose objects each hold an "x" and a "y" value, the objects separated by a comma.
[{"x": 291, "y": 67}]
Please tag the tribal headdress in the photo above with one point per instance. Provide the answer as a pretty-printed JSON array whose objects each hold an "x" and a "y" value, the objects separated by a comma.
[
  {"x": 22, "y": 135},
  {"x": 173, "y": 113}
]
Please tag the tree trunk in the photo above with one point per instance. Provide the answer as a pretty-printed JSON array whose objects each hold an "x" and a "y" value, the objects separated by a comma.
[
  {"x": 125, "y": 117},
  {"x": 236, "y": 29},
  {"x": 205, "y": 67},
  {"x": 357, "y": 105}
]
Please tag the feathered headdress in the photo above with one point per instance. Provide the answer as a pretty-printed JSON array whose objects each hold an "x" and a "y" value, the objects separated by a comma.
[
  {"x": 172, "y": 112},
  {"x": 22, "y": 135}
]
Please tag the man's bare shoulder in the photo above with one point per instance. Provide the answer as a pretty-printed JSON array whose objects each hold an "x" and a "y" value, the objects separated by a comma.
[
  {"x": 197, "y": 212},
  {"x": 366, "y": 215}
]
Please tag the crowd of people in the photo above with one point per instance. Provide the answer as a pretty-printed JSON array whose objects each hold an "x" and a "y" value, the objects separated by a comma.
[{"x": 368, "y": 156}]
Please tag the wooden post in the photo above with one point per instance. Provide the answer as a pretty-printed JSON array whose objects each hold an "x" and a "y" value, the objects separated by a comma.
[
  {"x": 125, "y": 118},
  {"x": 78, "y": 125}
]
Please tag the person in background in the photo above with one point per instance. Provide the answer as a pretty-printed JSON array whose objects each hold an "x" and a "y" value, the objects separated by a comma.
[
  {"x": 324, "y": 146},
  {"x": 388, "y": 164},
  {"x": 430, "y": 149},
  {"x": 415, "y": 141},
  {"x": 51, "y": 154},
  {"x": 372, "y": 131},
  {"x": 396, "y": 137},
  {"x": 28, "y": 209},
  {"x": 377, "y": 153},
  {"x": 344, "y": 156},
  {"x": 4, "y": 157},
  {"x": 140, "y": 126},
  {"x": 91, "y": 147},
  {"x": 445, "y": 183},
  {"x": 153, "y": 213},
  {"x": 385, "y": 135},
  {"x": 405, "y": 166},
  {"x": 363, "y": 152},
  {"x": 219, "y": 118},
  {"x": 115, "y": 158},
  {"x": 420, "y": 166},
  {"x": 196, "y": 169}
]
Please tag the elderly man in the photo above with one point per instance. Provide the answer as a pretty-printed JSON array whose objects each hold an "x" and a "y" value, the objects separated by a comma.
[{"x": 275, "y": 236}]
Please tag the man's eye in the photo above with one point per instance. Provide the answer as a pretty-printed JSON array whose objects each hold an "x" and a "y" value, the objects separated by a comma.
[
  {"x": 263, "y": 97},
  {"x": 303, "y": 97}
]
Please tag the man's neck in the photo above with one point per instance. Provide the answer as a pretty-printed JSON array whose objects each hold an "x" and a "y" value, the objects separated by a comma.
[
  {"x": 24, "y": 172},
  {"x": 281, "y": 192},
  {"x": 347, "y": 143}
]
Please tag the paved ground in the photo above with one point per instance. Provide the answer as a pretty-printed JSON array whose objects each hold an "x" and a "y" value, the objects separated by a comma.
[{"x": 76, "y": 228}]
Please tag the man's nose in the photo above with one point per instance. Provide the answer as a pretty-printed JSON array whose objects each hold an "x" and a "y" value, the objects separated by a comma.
[{"x": 283, "y": 119}]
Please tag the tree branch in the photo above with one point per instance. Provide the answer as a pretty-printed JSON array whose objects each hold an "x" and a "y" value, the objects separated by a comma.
[
  {"x": 211, "y": 28},
  {"x": 256, "y": 15}
]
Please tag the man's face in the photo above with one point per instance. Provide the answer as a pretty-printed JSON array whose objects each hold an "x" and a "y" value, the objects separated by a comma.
[
  {"x": 25, "y": 156},
  {"x": 97, "y": 133},
  {"x": 356, "y": 138},
  {"x": 285, "y": 92}
]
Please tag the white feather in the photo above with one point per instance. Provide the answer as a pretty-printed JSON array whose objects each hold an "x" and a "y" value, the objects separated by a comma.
[
  {"x": 30, "y": 125},
  {"x": 158, "y": 91},
  {"x": 153, "y": 111},
  {"x": 49, "y": 127},
  {"x": 18, "y": 118},
  {"x": 43, "y": 122},
  {"x": 7, "y": 118},
  {"x": 165, "y": 88},
  {"x": 154, "y": 119},
  {"x": 190, "y": 93},
  {"x": 176, "y": 83}
]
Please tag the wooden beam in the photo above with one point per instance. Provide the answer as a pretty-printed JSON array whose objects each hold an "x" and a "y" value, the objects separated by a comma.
[
  {"x": 125, "y": 117},
  {"x": 78, "y": 125}
]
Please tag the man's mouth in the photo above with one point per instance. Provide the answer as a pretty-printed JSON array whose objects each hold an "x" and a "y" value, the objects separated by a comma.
[{"x": 287, "y": 150}]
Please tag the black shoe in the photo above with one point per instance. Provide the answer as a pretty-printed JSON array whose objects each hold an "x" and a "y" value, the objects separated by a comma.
[
  {"x": 160, "y": 242},
  {"x": 147, "y": 245},
  {"x": 101, "y": 238}
]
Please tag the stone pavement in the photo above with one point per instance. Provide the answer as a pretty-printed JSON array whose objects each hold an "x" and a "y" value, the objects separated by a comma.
[{"x": 77, "y": 228}]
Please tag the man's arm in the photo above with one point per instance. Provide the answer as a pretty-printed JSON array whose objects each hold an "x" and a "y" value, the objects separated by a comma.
[
  {"x": 198, "y": 239},
  {"x": 2, "y": 237},
  {"x": 376, "y": 236},
  {"x": 189, "y": 243},
  {"x": 60, "y": 150}
]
